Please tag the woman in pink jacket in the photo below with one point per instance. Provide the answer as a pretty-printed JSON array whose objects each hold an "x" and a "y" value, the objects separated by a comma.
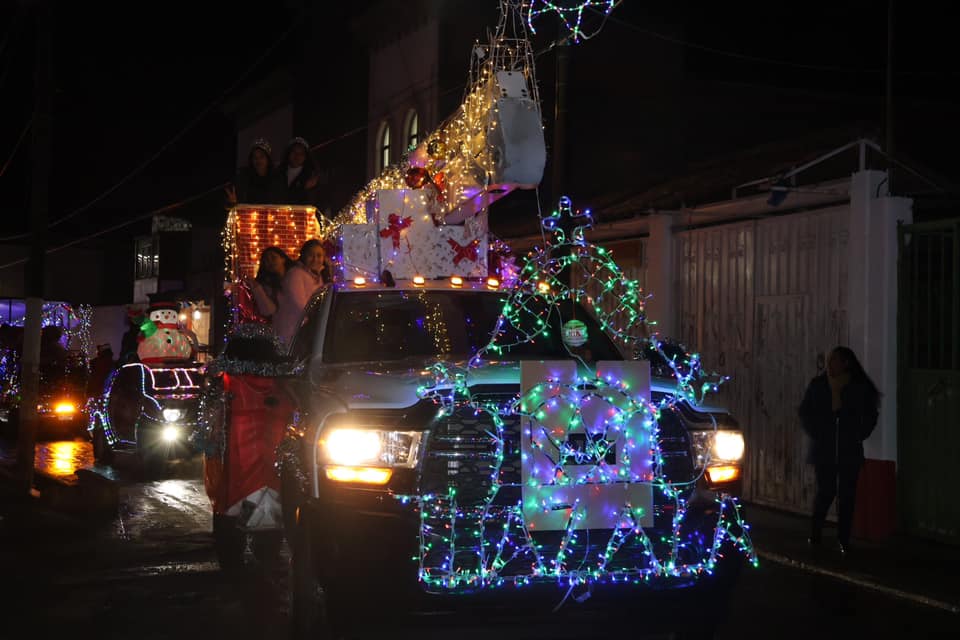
[{"x": 299, "y": 283}]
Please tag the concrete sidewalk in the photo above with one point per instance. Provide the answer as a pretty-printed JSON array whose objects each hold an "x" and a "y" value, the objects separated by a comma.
[{"x": 917, "y": 570}]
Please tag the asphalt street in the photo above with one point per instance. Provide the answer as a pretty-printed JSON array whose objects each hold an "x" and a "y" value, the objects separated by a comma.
[{"x": 150, "y": 572}]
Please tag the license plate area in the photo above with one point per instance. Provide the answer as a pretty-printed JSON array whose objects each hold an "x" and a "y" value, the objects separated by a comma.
[{"x": 586, "y": 454}]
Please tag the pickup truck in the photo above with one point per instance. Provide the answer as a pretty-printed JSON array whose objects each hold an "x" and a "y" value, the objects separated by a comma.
[{"x": 386, "y": 492}]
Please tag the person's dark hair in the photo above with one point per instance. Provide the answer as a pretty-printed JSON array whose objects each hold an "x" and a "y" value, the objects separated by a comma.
[
  {"x": 309, "y": 244},
  {"x": 857, "y": 372},
  {"x": 264, "y": 275},
  {"x": 309, "y": 165}
]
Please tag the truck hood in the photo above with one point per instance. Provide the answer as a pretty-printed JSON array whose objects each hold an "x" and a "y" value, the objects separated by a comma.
[{"x": 397, "y": 385}]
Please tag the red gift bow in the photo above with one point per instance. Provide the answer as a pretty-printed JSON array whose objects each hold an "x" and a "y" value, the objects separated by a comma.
[
  {"x": 461, "y": 252},
  {"x": 396, "y": 225}
]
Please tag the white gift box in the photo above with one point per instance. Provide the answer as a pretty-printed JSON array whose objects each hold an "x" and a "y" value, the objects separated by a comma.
[
  {"x": 412, "y": 245},
  {"x": 403, "y": 239},
  {"x": 359, "y": 251}
]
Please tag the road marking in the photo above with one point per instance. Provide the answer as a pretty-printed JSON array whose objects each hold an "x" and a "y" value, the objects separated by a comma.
[{"x": 860, "y": 582}]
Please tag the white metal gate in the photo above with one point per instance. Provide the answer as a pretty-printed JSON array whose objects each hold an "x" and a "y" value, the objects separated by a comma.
[{"x": 763, "y": 302}]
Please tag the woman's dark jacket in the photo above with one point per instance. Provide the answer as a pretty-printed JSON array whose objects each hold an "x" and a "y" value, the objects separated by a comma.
[
  {"x": 297, "y": 191},
  {"x": 838, "y": 435},
  {"x": 253, "y": 188}
]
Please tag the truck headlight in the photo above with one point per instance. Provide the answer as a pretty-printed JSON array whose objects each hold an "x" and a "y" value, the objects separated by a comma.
[
  {"x": 716, "y": 446},
  {"x": 728, "y": 446},
  {"x": 172, "y": 415},
  {"x": 367, "y": 449}
]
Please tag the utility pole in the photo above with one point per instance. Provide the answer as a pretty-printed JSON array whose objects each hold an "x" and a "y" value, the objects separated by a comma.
[
  {"x": 560, "y": 123},
  {"x": 558, "y": 151},
  {"x": 34, "y": 273},
  {"x": 888, "y": 110}
]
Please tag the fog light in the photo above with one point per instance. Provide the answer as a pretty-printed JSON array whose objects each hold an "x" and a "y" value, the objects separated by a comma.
[
  {"x": 64, "y": 408},
  {"x": 719, "y": 475},
  {"x": 364, "y": 475},
  {"x": 170, "y": 434}
]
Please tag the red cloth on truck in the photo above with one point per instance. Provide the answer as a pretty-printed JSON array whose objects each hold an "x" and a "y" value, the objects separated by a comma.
[{"x": 259, "y": 412}]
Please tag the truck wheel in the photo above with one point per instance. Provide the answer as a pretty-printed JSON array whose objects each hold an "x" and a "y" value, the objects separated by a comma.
[
  {"x": 266, "y": 548},
  {"x": 153, "y": 464},
  {"x": 707, "y": 633},
  {"x": 308, "y": 611},
  {"x": 228, "y": 542},
  {"x": 102, "y": 452}
]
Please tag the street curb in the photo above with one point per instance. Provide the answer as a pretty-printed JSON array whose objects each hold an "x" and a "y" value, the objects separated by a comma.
[{"x": 860, "y": 582}]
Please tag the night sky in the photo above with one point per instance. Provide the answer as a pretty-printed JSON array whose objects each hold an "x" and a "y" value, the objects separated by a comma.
[{"x": 130, "y": 76}]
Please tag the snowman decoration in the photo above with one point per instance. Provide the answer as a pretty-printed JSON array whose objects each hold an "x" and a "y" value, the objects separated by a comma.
[{"x": 160, "y": 337}]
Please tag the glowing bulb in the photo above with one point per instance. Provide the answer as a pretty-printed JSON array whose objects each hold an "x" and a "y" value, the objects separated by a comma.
[
  {"x": 493, "y": 283},
  {"x": 456, "y": 281},
  {"x": 419, "y": 281},
  {"x": 360, "y": 281}
]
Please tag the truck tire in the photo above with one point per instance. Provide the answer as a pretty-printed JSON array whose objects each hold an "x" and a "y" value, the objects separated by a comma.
[
  {"x": 706, "y": 633},
  {"x": 308, "y": 611},
  {"x": 266, "y": 548},
  {"x": 229, "y": 543},
  {"x": 153, "y": 464},
  {"x": 102, "y": 453}
]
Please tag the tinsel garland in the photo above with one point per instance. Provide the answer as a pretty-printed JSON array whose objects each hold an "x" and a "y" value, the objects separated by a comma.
[{"x": 212, "y": 418}]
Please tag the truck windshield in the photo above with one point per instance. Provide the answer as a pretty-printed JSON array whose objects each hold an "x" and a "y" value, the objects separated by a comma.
[{"x": 394, "y": 325}]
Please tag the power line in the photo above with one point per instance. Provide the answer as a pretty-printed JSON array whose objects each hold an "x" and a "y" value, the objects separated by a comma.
[
  {"x": 188, "y": 200},
  {"x": 120, "y": 225},
  {"x": 185, "y": 129},
  {"x": 16, "y": 146}
]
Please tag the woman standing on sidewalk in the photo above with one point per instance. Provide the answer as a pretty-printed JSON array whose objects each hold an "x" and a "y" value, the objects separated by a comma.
[{"x": 839, "y": 411}]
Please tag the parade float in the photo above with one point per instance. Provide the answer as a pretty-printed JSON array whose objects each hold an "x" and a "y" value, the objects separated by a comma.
[
  {"x": 65, "y": 354},
  {"x": 149, "y": 407},
  {"x": 446, "y": 422}
]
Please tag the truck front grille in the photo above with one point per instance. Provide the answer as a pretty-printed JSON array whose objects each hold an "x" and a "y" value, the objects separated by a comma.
[{"x": 460, "y": 460}]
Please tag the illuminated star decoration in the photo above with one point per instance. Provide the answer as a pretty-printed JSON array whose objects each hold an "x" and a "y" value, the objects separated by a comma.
[
  {"x": 478, "y": 537},
  {"x": 571, "y": 14}
]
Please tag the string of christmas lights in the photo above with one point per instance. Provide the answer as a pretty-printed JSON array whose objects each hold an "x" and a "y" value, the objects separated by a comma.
[
  {"x": 481, "y": 543},
  {"x": 571, "y": 14},
  {"x": 455, "y": 162}
]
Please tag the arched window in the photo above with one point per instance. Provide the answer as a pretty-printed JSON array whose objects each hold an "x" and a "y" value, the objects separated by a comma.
[
  {"x": 413, "y": 129},
  {"x": 383, "y": 147}
]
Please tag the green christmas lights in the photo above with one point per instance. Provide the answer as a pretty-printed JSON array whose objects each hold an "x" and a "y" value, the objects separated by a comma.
[
  {"x": 488, "y": 542},
  {"x": 571, "y": 14}
]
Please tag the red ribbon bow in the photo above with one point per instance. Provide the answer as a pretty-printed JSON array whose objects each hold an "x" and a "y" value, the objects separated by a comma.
[
  {"x": 461, "y": 252},
  {"x": 396, "y": 225}
]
